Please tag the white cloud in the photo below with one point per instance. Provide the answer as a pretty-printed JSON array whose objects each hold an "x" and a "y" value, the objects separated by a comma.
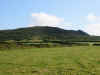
[
  {"x": 43, "y": 19},
  {"x": 93, "y": 26},
  {"x": 91, "y": 17},
  {"x": 93, "y": 29}
]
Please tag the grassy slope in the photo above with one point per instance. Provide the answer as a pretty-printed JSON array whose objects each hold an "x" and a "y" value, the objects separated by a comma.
[{"x": 85, "y": 60}]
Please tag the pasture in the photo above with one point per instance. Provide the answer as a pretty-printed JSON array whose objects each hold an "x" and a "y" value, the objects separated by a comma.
[{"x": 76, "y": 60}]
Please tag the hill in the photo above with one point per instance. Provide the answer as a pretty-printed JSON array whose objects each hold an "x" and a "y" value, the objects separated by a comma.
[{"x": 42, "y": 33}]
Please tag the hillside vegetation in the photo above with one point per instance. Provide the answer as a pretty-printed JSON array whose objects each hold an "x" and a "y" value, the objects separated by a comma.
[{"x": 42, "y": 33}]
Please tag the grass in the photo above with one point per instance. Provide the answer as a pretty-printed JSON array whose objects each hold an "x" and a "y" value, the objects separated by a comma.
[{"x": 75, "y": 60}]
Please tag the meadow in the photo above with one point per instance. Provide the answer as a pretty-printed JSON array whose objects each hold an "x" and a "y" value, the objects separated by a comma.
[{"x": 76, "y": 60}]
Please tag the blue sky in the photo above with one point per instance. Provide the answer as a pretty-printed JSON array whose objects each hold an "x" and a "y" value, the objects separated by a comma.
[{"x": 18, "y": 13}]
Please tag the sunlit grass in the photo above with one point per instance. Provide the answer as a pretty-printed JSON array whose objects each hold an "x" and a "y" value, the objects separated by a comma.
[{"x": 34, "y": 61}]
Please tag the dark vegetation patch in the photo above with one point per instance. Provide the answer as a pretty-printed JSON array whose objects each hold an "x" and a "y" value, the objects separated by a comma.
[{"x": 43, "y": 44}]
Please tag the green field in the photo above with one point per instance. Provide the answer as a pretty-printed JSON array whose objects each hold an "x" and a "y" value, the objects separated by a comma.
[{"x": 51, "y": 61}]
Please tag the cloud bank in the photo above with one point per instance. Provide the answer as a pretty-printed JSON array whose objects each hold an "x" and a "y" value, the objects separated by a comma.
[
  {"x": 43, "y": 19},
  {"x": 93, "y": 26}
]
